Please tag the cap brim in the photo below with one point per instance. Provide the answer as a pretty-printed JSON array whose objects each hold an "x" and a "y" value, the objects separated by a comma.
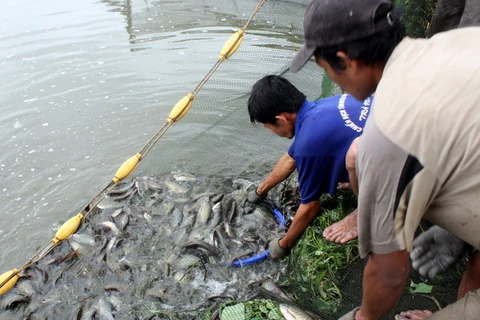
[{"x": 301, "y": 58}]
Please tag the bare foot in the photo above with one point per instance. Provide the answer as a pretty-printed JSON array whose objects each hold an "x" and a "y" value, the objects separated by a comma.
[
  {"x": 343, "y": 230},
  {"x": 413, "y": 315}
]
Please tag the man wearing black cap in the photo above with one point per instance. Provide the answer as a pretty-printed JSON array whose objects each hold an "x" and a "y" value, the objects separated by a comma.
[{"x": 419, "y": 155}]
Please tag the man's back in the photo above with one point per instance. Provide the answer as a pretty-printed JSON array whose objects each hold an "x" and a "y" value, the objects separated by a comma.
[
  {"x": 324, "y": 130},
  {"x": 428, "y": 105}
]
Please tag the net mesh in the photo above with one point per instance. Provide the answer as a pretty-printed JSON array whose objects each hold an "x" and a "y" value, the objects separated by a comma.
[
  {"x": 217, "y": 138},
  {"x": 216, "y": 135}
]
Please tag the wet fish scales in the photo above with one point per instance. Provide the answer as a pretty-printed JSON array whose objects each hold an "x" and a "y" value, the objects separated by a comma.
[
  {"x": 175, "y": 187},
  {"x": 204, "y": 212},
  {"x": 177, "y": 217},
  {"x": 186, "y": 261},
  {"x": 294, "y": 313},
  {"x": 83, "y": 238},
  {"x": 121, "y": 196},
  {"x": 104, "y": 309},
  {"x": 181, "y": 177},
  {"x": 123, "y": 187},
  {"x": 11, "y": 300}
]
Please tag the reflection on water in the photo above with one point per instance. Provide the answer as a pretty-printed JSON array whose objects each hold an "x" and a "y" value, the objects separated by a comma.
[{"x": 86, "y": 84}]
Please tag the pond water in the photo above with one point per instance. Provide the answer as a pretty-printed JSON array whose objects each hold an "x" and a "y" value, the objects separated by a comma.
[{"x": 85, "y": 84}]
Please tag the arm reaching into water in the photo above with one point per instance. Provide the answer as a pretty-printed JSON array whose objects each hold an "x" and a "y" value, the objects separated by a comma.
[{"x": 281, "y": 171}]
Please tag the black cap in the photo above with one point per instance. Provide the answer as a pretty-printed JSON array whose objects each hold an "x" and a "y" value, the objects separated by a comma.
[{"x": 333, "y": 22}]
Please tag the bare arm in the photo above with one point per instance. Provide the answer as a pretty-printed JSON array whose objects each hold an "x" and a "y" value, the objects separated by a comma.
[
  {"x": 281, "y": 171},
  {"x": 350, "y": 163},
  {"x": 383, "y": 284},
  {"x": 305, "y": 214}
]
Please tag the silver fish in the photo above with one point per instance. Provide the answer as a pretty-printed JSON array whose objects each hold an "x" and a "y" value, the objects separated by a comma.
[
  {"x": 122, "y": 221},
  {"x": 158, "y": 291},
  {"x": 153, "y": 185},
  {"x": 11, "y": 299},
  {"x": 115, "y": 302},
  {"x": 148, "y": 217},
  {"x": 104, "y": 309},
  {"x": 121, "y": 196},
  {"x": 177, "y": 217},
  {"x": 89, "y": 313},
  {"x": 26, "y": 288},
  {"x": 186, "y": 261},
  {"x": 207, "y": 248},
  {"x": 184, "y": 177},
  {"x": 290, "y": 312},
  {"x": 204, "y": 212},
  {"x": 123, "y": 187},
  {"x": 108, "y": 203},
  {"x": 175, "y": 187},
  {"x": 272, "y": 287},
  {"x": 243, "y": 184},
  {"x": 111, "y": 227},
  {"x": 216, "y": 215},
  {"x": 83, "y": 238},
  {"x": 77, "y": 247}
]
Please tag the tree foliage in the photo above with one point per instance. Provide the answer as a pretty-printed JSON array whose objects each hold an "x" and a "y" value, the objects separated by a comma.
[{"x": 417, "y": 16}]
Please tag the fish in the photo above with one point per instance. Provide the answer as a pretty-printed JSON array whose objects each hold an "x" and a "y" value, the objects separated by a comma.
[
  {"x": 177, "y": 218},
  {"x": 204, "y": 212},
  {"x": 122, "y": 221},
  {"x": 158, "y": 291},
  {"x": 217, "y": 198},
  {"x": 216, "y": 215},
  {"x": 123, "y": 187},
  {"x": 153, "y": 185},
  {"x": 104, "y": 309},
  {"x": 121, "y": 196},
  {"x": 175, "y": 187},
  {"x": 272, "y": 287},
  {"x": 26, "y": 288},
  {"x": 168, "y": 206},
  {"x": 83, "y": 238},
  {"x": 243, "y": 184},
  {"x": 116, "y": 212},
  {"x": 115, "y": 302},
  {"x": 11, "y": 300},
  {"x": 110, "y": 226},
  {"x": 207, "y": 248},
  {"x": 54, "y": 297},
  {"x": 186, "y": 261},
  {"x": 109, "y": 203},
  {"x": 181, "y": 177},
  {"x": 230, "y": 209},
  {"x": 293, "y": 313}
]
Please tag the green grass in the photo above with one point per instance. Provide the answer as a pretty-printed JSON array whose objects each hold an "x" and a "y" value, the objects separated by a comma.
[{"x": 314, "y": 265}]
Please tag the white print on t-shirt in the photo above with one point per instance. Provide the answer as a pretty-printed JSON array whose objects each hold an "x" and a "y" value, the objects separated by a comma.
[{"x": 346, "y": 117}]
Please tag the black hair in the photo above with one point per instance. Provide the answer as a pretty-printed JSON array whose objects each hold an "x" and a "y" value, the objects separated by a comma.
[
  {"x": 370, "y": 50},
  {"x": 271, "y": 96}
]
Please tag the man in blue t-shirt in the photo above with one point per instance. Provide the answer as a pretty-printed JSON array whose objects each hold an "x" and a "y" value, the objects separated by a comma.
[{"x": 323, "y": 151}]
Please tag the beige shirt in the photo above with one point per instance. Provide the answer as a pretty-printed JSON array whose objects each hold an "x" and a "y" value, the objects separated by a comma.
[{"x": 419, "y": 156}]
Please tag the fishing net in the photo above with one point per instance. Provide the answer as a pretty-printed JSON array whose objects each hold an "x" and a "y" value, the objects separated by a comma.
[
  {"x": 219, "y": 144},
  {"x": 219, "y": 112}
]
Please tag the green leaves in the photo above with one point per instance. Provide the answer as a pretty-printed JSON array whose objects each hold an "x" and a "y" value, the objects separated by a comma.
[
  {"x": 261, "y": 309},
  {"x": 315, "y": 263},
  {"x": 420, "y": 287}
]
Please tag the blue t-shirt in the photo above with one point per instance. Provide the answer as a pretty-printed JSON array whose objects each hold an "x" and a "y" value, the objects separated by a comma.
[{"x": 324, "y": 130}]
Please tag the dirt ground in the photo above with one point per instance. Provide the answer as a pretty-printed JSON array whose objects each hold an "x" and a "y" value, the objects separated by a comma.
[{"x": 443, "y": 293}]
